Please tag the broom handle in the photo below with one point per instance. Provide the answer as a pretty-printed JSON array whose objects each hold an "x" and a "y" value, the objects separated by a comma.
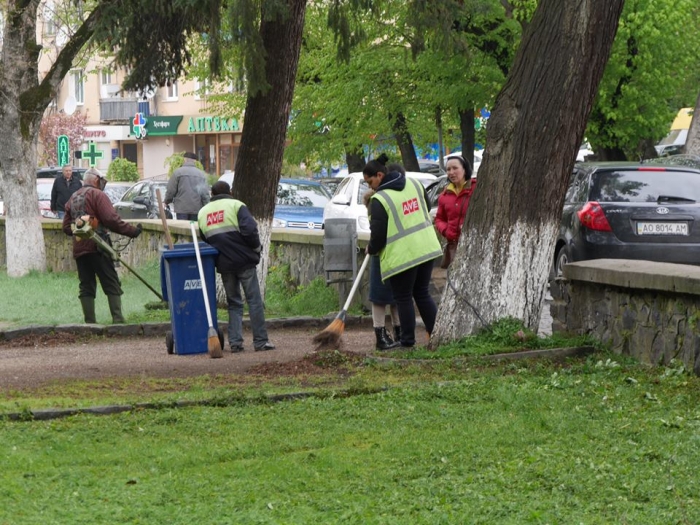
[
  {"x": 201, "y": 274},
  {"x": 356, "y": 283}
]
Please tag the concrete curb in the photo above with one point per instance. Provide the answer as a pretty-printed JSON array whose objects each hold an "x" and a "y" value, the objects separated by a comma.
[
  {"x": 105, "y": 410},
  {"x": 160, "y": 329}
]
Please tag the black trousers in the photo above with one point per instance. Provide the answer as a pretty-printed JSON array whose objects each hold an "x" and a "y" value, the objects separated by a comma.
[
  {"x": 97, "y": 265},
  {"x": 414, "y": 284}
]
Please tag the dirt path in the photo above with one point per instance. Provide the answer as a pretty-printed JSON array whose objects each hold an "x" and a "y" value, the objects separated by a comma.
[{"x": 36, "y": 361}]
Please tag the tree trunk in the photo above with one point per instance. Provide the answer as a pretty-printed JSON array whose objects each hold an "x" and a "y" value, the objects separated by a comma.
[
  {"x": 466, "y": 126},
  {"x": 23, "y": 100},
  {"x": 259, "y": 162},
  {"x": 535, "y": 130},
  {"x": 405, "y": 143},
  {"x": 692, "y": 143},
  {"x": 354, "y": 159},
  {"x": 19, "y": 126}
]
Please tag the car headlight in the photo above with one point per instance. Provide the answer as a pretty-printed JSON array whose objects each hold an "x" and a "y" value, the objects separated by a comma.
[
  {"x": 279, "y": 223},
  {"x": 363, "y": 223}
]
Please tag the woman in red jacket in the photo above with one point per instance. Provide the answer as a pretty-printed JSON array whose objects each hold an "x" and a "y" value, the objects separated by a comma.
[{"x": 454, "y": 200}]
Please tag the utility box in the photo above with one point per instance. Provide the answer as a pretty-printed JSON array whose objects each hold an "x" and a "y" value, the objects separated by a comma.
[
  {"x": 340, "y": 250},
  {"x": 182, "y": 288}
]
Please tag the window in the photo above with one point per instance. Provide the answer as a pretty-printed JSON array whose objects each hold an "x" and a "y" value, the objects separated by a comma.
[
  {"x": 77, "y": 86},
  {"x": 171, "y": 91},
  {"x": 106, "y": 77},
  {"x": 49, "y": 19},
  {"x": 201, "y": 89}
]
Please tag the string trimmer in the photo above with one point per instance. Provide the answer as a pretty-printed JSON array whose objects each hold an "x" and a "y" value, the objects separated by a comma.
[{"x": 82, "y": 229}]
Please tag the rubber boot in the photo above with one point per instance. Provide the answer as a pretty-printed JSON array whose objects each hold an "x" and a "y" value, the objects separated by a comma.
[
  {"x": 115, "y": 308},
  {"x": 384, "y": 341},
  {"x": 397, "y": 333},
  {"x": 88, "y": 304}
]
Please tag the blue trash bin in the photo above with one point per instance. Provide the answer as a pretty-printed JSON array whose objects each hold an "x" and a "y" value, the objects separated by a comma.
[{"x": 182, "y": 288}]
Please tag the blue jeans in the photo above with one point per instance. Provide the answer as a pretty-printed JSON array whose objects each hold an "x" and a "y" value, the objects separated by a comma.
[
  {"x": 232, "y": 284},
  {"x": 60, "y": 214}
]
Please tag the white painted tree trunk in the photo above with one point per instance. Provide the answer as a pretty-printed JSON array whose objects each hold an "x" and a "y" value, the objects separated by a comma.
[
  {"x": 19, "y": 123},
  {"x": 265, "y": 232},
  {"x": 24, "y": 236},
  {"x": 692, "y": 143},
  {"x": 536, "y": 126}
]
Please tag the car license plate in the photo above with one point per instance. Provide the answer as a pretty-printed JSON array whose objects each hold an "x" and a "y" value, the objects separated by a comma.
[{"x": 662, "y": 228}]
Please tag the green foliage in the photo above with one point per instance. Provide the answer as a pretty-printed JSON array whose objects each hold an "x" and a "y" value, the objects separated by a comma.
[
  {"x": 503, "y": 336},
  {"x": 652, "y": 72},
  {"x": 41, "y": 298},
  {"x": 598, "y": 441},
  {"x": 283, "y": 297},
  {"x": 121, "y": 169},
  {"x": 176, "y": 160}
]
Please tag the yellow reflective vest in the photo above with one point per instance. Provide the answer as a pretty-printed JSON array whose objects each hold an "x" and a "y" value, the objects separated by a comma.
[{"x": 410, "y": 238}]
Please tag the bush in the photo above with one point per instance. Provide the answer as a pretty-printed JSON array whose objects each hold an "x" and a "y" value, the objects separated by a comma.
[
  {"x": 123, "y": 170},
  {"x": 175, "y": 160}
]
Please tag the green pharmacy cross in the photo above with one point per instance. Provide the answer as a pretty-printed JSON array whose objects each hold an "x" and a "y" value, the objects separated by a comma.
[{"x": 92, "y": 154}]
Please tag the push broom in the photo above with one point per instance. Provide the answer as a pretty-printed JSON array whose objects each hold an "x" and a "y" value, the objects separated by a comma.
[
  {"x": 213, "y": 343},
  {"x": 331, "y": 335}
]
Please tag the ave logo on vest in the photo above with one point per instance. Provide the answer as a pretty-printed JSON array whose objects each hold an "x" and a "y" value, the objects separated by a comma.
[
  {"x": 193, "y": 284},
  {"x": 410, "y": 206},
  {"x": 216, "y": 217}
]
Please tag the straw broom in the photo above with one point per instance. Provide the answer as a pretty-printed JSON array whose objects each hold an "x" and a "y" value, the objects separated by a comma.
[
  {"x": 331, "y": 335},
  {"x": 213, "y": 343}
]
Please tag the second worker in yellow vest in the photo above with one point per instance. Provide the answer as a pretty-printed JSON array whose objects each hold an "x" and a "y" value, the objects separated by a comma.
[{"x": 403, "y": 236}]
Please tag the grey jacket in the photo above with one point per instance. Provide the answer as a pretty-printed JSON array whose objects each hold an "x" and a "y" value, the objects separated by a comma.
[{"x": 187, "y": 188}]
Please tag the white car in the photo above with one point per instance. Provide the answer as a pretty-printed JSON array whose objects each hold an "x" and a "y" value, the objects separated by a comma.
[{"x": 347, "y": 202}]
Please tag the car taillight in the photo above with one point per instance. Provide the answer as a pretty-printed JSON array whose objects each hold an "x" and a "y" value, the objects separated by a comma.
[{"x": 593, "y": 217}]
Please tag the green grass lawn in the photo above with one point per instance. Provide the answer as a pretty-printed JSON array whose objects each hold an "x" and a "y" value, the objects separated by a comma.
[
  {"x": 597, "y": 440},
  {"x": 52, "y": 298},
  {"x": 594, "y": 441}
]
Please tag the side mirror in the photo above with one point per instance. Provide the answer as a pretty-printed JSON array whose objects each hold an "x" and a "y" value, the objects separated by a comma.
[{"x": 144, "y": 201}]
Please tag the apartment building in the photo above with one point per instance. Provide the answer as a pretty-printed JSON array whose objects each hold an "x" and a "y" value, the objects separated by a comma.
[{"x": 145, "y": 128}]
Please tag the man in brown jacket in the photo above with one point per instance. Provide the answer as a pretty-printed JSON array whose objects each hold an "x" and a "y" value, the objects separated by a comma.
[{"x": 91, "y": 200}]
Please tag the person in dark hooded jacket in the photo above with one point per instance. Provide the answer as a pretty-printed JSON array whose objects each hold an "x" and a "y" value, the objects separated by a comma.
[
  {"x": 402, "y": 234},
  {"x": 227, "y": 225}
]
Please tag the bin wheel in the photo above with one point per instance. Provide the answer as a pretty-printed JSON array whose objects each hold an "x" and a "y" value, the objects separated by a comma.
[
  {"x": 169, "y": 342},
  {"x": 221, "y": 337}
]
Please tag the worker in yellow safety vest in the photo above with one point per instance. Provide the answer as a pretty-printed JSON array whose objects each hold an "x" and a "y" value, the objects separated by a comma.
[{"x": 403, "y": 236}]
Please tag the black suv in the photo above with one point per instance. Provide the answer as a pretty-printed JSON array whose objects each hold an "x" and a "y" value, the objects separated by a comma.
[
  {"x": 54, "y": 171},
  {"x": 626, "y": 210}
]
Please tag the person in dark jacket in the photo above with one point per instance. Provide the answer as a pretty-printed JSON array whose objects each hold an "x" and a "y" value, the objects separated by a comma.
[
  {"x": 91, "y": 201},
  {"x": 228, "y": 226},
  {"x": 402, "y": 234},
  {"x": 187, "y": 189},
  {"x": 63, "y": 188}
]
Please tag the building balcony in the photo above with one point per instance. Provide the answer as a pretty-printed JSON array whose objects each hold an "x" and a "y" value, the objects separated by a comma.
[{"x": 118, "y": 109}]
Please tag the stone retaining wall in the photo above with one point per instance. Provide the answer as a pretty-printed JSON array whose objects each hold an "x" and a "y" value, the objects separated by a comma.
[
  {"x": 301, "y": 250},
  {"x": 647, "y": 310}
]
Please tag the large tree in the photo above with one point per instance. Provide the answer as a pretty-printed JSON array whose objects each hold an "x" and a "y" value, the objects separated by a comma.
[
  {"x": 259, "y": 162},
  {"x": 535, "y": 129},
  {"x": 158, "y": 55}
]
